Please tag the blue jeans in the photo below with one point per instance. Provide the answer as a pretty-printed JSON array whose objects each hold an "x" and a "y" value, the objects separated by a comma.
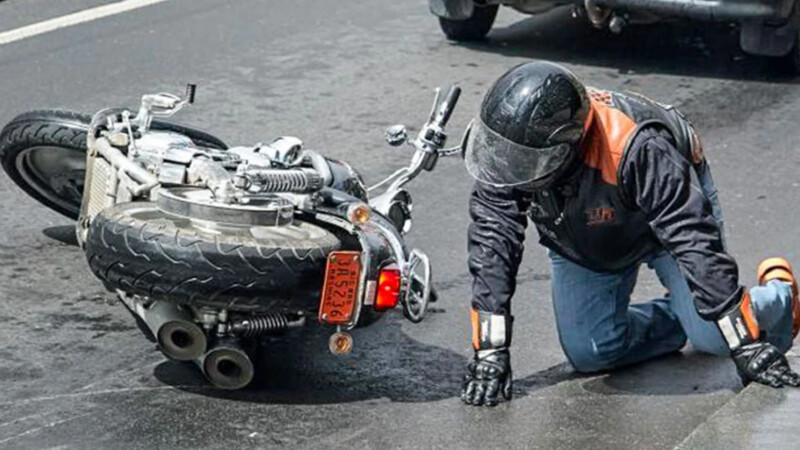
[{"x": 599, "y": 329}]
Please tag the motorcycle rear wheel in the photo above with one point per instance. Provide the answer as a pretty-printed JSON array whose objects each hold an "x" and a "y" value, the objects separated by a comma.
[
  {"x": 139, "y": 249},
  {"x": 44, "y": 153}
]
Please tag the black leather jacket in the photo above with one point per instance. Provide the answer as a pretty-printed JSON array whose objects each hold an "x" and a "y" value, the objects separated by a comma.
[{"x": 661, "y": 206}]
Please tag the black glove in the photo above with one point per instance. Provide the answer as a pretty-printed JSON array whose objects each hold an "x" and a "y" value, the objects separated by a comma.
[
  {"x": 763, "y": 363},
  {"x": 486, "y": 378}
]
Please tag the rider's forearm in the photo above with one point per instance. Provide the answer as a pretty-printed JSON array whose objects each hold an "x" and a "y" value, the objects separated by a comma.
[
  {"x": 495, "y": 245},
  {"x": 666, "y": 187}
]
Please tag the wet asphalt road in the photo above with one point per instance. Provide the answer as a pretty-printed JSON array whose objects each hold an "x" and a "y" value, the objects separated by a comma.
[{"x": 75, "y": 372}]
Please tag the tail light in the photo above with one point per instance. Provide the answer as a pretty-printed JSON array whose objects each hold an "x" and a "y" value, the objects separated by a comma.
[{"x": 388, "y": 288}]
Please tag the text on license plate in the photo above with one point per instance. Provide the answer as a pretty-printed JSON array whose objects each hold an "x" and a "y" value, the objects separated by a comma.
[{"x": 340, "y": 291}]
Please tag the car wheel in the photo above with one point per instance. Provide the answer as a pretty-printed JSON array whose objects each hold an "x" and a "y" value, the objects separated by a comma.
[
  {"x": 791, "y": 62},
  {"x": 473, "y": 29}
]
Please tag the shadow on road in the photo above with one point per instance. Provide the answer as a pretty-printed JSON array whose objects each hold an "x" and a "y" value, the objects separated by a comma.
[
  {"x": 298, "y": 369},
  {"x": 685, "y": 373},
  {"x": 388, "y": 364},
  {"x": 675, "y": 48}
]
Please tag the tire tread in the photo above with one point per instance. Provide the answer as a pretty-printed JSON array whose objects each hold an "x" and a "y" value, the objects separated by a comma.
[{"x": 153, "y": 258}]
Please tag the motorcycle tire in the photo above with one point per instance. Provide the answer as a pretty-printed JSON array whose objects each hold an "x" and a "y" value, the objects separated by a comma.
[
  {"x": 473, "y": 29},
  {"x": 44, "y": 154},
  {"x": 139, "y": 249}
]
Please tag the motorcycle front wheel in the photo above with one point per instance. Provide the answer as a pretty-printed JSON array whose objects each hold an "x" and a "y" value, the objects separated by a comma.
[{"x": 44, "y": 153}]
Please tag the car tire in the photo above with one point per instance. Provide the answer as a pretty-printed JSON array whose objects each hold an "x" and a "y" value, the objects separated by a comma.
[
  {"x": 790, "y": 64},
  {"x": 473, "y": 29}
]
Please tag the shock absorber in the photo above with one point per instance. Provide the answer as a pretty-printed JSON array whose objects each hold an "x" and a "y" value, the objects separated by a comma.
[
  {"x": 300, "y": 181},
  {"x": 255, "y": 326}
]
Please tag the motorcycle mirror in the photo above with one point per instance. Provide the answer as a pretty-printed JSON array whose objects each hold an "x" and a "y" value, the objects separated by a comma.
[{"x": 396, "y": 135}]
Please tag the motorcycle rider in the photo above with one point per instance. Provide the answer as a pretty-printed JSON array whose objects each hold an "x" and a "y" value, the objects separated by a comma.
[{"x": 611, "y": 181}]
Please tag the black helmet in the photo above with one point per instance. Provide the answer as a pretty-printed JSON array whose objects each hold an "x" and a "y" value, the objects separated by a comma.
[{"x": 530, "y": 126}]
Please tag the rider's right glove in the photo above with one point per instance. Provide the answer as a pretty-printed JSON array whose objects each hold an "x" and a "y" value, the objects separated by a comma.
[
  {"x": 489, "y": 373},
  {"x": 755, "y": 360}
]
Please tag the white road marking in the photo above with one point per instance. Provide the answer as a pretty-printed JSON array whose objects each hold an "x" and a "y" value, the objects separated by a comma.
[
  {"x": 45, "y": 426},
  {"x": 69, "y": 20},
  {"x": 49, "y": 398}
]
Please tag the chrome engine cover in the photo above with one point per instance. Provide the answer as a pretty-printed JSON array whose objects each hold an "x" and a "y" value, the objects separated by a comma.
[{"x": 199, "y": 204}]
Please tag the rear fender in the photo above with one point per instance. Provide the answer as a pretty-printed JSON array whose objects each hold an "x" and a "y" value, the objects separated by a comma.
[{"x": 452, "y": 9}]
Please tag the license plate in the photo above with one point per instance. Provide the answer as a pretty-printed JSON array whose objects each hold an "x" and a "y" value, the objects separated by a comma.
[{"x": 340, "y": 292}]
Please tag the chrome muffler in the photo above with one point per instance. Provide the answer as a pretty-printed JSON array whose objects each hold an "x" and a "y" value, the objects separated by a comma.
[
  {"x": 176, "y": 333},
  {"x": 226, "y": 365}
]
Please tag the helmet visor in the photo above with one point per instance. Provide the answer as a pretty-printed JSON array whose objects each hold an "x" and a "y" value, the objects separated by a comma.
[{"x": 492, "y": 159}]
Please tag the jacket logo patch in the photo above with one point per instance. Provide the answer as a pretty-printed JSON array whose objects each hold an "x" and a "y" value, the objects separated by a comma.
[
  {"x": 600, "y": 216},
  {"x": 599, "y": 96}
]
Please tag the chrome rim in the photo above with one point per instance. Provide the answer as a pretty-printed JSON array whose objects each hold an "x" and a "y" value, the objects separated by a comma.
[
  {"x": 55, "y": 173},
  {"x": 418, "y": 287}
]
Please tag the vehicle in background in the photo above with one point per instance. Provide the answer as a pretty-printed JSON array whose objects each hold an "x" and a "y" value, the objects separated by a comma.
[{"x": 767, "y": 27}]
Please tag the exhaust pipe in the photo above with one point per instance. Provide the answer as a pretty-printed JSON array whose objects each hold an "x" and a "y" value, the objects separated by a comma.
[
  {"x": 178, "y": 336},
  {"x": 226, "y": 365},
  {"x": 181, "y": 340}
]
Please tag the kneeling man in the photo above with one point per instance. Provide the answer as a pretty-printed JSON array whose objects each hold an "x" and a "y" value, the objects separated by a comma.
[{"x": 611, "y": 181}]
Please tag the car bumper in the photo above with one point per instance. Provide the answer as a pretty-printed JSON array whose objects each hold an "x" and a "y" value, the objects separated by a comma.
[{"x": 776, "y": 11}]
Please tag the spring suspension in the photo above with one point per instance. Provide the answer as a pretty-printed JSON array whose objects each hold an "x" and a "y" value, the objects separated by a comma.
[
  {"x": 301, "y": 181},
  {"x": 266, "y": 324}
]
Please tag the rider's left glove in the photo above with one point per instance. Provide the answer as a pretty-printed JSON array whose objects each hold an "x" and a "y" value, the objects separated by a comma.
[{"x": 488, "y": 376}]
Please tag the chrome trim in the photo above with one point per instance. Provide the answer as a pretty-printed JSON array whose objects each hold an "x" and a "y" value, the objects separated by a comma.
[
  {"x": 372, "y": 288},
  {"x": 394, "y": 242},
  {"x": 336, "y": 221},
  {"x": 366, "y": 263}
]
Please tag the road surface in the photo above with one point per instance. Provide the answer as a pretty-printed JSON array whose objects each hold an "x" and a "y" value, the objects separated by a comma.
[{"x": 75, "y": 372}]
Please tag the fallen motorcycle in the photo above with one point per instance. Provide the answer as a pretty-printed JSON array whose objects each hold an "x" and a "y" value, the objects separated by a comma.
[{"x": 216, "y": 248}]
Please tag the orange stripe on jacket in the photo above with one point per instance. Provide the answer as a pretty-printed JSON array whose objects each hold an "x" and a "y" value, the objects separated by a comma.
[
  {"x": 749, "y": 317},
  {"x": 606, "y": 139},
  {"x": 475, "y": 321}
]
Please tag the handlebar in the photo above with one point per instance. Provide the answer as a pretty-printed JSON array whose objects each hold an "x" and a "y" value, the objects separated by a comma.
[
  {"x": 448, "y": 105},
  {"x": 191, "y": 90}
]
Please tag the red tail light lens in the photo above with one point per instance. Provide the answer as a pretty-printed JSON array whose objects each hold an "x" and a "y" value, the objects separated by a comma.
[{"x": 388, "y": 288}]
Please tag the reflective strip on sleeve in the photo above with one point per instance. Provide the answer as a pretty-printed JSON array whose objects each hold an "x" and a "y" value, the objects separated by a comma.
[
  {"x": 729, "y": 333},
  {"x": 739, "y": 327},
  {"x": 489, "y": 331},
  {"x": 497, "y": 330}
]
